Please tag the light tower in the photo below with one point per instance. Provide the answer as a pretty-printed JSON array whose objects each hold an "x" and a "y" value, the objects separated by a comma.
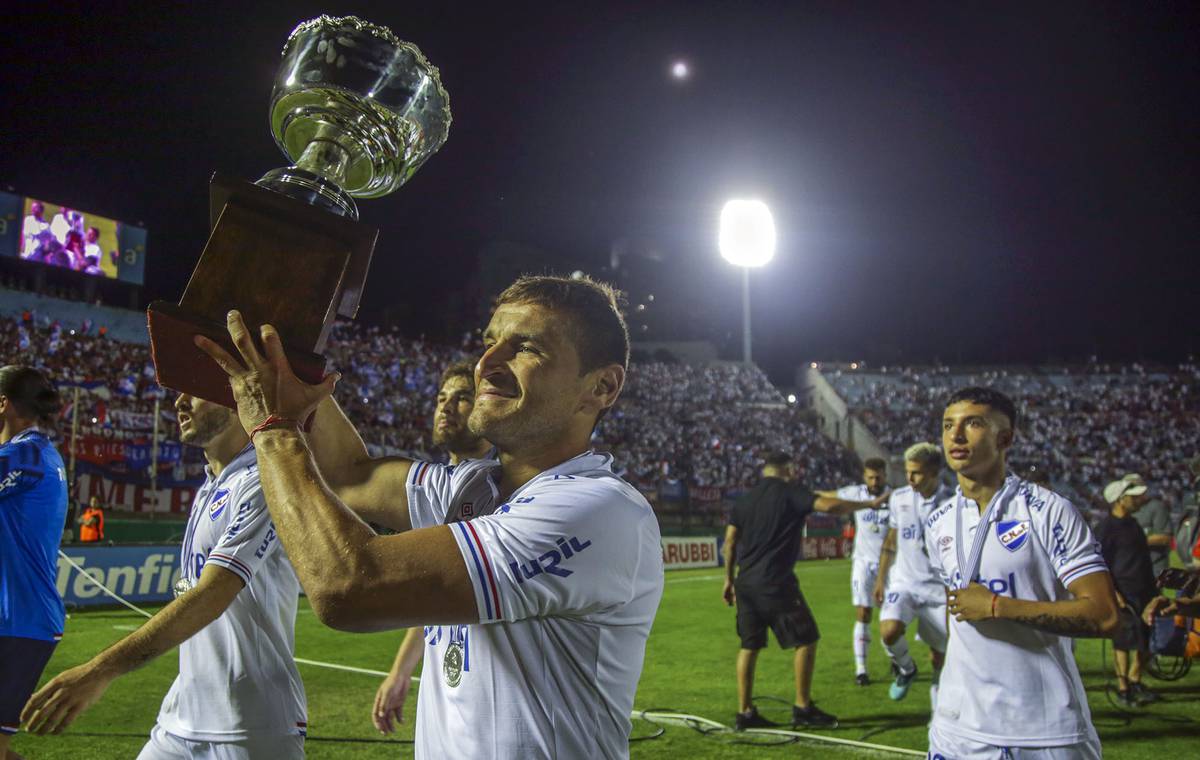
[{"x": 747, "y": 240}]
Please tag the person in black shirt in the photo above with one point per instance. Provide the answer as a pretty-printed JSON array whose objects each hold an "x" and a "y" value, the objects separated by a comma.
[
  {"x": 1123, "y": 545},
  {"x": 762, "y": 540}
]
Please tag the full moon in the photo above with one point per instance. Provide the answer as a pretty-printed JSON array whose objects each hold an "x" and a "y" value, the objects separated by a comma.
[{"x": 680, "y": 70}]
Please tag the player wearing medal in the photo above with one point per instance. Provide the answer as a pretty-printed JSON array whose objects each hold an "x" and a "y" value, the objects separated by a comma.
[
  {"x": 907, "y": 586},
  {"x": 238, "y": 695},
  {"x": 455, "y": 400},
  {"x": 869, "y": 528},
  {"x": 1024, "y": 575},
  {"x": 33, "y": 508},
  {"x": 537, "y": 574}
]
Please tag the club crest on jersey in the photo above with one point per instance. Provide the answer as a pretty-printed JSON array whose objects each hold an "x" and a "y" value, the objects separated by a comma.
[
  {"x": 468, "y": 508},
  {"x": 217, "y": 505},
  {"x": 1012, "y": 533}
]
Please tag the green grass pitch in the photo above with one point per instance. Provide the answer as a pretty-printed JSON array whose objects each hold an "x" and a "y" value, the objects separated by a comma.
[{"x": 689, "y": 669}]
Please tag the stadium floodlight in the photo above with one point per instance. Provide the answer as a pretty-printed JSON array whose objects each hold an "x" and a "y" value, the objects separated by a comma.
[{"x": 746, "y": 239}]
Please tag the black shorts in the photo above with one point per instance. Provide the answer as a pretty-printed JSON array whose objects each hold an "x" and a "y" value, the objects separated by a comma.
[
  {"x": 21, "y": 664},
  {"x": 779, "y": 606},
  {"x": 1133, "y": 633}
]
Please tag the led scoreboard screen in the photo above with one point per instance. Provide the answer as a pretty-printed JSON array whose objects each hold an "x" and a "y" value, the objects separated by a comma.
[{"x": 66, "y": 238}]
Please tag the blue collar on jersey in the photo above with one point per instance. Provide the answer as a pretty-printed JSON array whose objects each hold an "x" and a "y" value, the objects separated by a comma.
[
  {"x": 968, "y": 568},
  {"x": 27, "y": 433}
]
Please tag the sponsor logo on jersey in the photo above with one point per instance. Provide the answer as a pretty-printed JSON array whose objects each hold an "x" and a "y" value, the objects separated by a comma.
[
  {"x": 1012, "y": 533},
  {"x": 217, "y": 504},
  {"x": 10, "y": 480},
  {"x": 549, "y": 562}
]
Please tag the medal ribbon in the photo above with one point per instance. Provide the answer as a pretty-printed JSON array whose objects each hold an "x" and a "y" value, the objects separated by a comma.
[{"x": 967, "y": 569}]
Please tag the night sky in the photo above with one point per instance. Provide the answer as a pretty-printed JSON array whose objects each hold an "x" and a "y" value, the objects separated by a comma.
[{"x": 966, "y": 182}]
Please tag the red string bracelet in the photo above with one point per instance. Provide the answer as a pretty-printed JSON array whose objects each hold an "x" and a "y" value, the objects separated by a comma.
[
  {"x": 995, "y": 597},
  {"x": 271, "y": 422}
]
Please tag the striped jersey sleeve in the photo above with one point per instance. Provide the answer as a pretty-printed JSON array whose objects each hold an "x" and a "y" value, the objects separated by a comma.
[
  {"x": 1074, "y": 551},
  {"x": 428, "y": 491},
  {"x": 565, "y": 548},
  {"x": 249, "y": 537}
]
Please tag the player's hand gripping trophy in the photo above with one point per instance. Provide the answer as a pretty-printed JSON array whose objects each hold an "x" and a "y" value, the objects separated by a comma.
[{"x": 358, "y": 111}]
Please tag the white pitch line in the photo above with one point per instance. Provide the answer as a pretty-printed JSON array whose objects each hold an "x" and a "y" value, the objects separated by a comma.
[
  {"x": 678, "y": 718},
  {"x": 695, "y": 578}
]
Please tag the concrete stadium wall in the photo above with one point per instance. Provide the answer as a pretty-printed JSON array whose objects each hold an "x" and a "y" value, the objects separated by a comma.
[
  {"x": 838, "y": 423},
  {"x": 124, "y": 325}
]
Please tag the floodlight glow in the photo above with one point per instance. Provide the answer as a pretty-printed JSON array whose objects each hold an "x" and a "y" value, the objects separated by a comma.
[
  {"x": 747, "y": 237},
  {"x": 680, "y": 70}
]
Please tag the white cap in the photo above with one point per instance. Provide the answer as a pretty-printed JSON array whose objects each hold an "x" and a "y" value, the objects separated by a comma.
[{"x": 1130, "y": 485}]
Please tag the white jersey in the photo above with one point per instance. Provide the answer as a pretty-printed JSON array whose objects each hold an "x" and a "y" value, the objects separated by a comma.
[
  {"x": 568, "y": 575},
  {"x": 236, "y": 676},
  {"x": 911, "y": 571},
  {"x": 870, "y": 525},
  {"x": 1007, "y": 684}
]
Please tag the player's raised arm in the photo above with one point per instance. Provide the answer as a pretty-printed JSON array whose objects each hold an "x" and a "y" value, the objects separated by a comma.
[
  {"x": 354, "y": 578},
  {"x": 374, "y": 487},
  {"x": 830, "y": 503}
]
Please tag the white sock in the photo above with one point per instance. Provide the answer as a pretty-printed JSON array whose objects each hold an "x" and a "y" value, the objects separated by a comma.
[
  {"x": 862, "y": 643},
  {"x": 899, "y": 654}
]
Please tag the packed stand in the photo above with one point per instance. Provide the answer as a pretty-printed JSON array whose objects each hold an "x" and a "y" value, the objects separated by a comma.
[
  {"x": 1084, "y": 425},
  {"x": 700, "y": 425},
  {"x": 708, "y": 425}
]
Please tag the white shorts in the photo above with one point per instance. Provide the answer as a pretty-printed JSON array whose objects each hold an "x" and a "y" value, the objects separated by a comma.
[
  {"x": 943, "y": 746},
  {"x": 862, "y": 582},
  {"x": 168, "y": 746},
  {"x": 929, "y": 610}
]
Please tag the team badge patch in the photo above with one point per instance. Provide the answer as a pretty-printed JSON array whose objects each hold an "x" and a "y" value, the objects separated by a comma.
[
  {"x": 452, "y": 664},
  {"x": 217, "y": 505},
  {"x": 1012, "y": 534},
  {"x": 468, "y": 508}
]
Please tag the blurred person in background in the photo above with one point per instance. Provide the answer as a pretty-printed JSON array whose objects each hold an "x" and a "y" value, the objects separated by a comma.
[
  {"x": 870, "y": 527},
  {"x": 1124, "y": 548},
  {"x": 91, "y": 522},
  {"x": 455, "y": 400},
  {"x": 1155, "y": 521},
  {"x": 762, "y": 540},
  {"x": 33, "y": 510}
]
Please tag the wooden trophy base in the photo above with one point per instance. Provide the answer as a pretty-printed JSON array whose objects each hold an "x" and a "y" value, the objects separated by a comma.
[{"x": 278, "y": 261}]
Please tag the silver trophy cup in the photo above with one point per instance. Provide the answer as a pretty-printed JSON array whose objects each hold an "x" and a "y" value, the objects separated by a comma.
[{"x": 357, "y": 110}]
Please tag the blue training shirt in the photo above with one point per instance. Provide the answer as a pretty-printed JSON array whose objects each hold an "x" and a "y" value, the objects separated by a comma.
[{"x": 33, "y": 511}]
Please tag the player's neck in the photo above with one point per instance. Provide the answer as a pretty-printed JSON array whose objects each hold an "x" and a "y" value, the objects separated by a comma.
[
  {"x": 478, "y": 452},
  {"x": 222, "y": 449},
  {"x": 13, "y": 426},
  {"x": 517, "y": 469},
  {"x": 981, "y": 488},
  {"x": 928, "y": 490}
]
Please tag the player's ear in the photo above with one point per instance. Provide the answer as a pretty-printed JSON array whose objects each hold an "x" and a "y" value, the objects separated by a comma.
[
  {"x": 605, "y": 385},
  {"x": 1004, "y": 438}
]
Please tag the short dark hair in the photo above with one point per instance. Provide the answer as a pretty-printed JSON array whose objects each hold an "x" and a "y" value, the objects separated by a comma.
[
  {"x": 777, "y": 459},
  {"x": 875, "y": 463},
  {"x": 457, "y": 369},
  {"x": 592, "y": 308},
  {"x": 989, "y": 397},
  {"x": 31, "y": 392}
]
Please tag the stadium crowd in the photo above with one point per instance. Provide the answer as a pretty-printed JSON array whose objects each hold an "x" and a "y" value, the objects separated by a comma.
[
  {"x": 1081, "y": 426},
  {"x": 700, "y": 425}
]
